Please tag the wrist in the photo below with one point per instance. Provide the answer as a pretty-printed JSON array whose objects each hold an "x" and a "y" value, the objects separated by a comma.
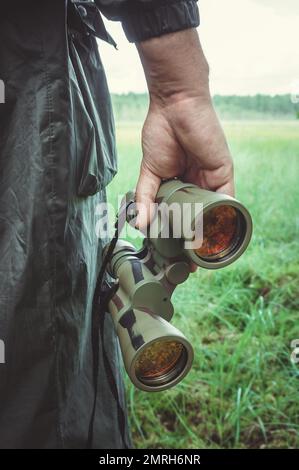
[
  {"x": 180, "y": 96},
  {"x": 175, "y": 68}
]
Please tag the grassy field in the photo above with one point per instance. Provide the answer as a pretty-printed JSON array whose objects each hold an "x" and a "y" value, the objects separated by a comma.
[{"x": 243, "y": 390}]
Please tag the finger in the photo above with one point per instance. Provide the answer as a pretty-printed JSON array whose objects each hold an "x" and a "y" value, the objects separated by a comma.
[
  {"x": 219, "y": 179},
  {"x": 146, "y": 191},
  {"x": 193, "y": 267},
  {"x": 228, "y": 188}
]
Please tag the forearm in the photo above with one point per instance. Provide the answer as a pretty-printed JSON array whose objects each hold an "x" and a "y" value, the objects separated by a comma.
[
  {"x": 175, "y": 67},
  {"x": 181, "y": 135}
]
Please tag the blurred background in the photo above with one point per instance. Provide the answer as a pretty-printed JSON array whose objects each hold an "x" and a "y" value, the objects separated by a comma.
[{"x": 243, "y": 389}]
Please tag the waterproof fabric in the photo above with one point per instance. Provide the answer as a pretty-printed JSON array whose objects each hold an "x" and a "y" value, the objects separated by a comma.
[{"x": 57, "y": 154}]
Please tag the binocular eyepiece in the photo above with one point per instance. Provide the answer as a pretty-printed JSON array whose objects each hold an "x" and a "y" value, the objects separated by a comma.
[{"x": 156, "y": 354}]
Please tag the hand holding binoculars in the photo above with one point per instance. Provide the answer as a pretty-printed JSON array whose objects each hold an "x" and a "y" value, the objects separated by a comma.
[{"x": 156, "y": 354}]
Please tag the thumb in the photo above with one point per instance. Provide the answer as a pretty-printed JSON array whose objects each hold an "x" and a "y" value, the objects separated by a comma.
[{"x": 146, "y": 191}]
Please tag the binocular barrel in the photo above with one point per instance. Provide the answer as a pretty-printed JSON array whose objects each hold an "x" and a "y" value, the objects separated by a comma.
[
  {"x": 156, "y": 354},
  {"x": 225, "y": 225}
]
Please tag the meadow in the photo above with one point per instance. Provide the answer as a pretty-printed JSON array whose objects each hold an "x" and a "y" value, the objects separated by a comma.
[{"x": 243, "y": 389}]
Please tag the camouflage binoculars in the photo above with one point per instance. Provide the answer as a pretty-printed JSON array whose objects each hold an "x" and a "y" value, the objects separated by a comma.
[{"x": 156, "y": 354}]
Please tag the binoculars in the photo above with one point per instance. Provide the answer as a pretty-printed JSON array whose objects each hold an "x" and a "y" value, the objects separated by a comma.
[{"x": 156, "y": 354}]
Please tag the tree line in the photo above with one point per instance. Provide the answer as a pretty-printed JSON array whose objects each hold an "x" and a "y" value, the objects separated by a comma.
[{"x": 133, "y": 106}]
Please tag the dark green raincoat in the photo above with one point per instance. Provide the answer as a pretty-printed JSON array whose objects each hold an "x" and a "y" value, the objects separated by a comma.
[{"x": 57, "y": 154}]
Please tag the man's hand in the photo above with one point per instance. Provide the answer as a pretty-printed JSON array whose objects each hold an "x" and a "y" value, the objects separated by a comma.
[{"x": 181, "y": 135}]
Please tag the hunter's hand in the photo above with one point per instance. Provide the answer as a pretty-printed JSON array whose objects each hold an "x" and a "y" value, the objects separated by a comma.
[{"x": 181, "y": 135}]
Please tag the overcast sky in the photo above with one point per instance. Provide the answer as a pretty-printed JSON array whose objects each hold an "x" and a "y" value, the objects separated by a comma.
[{"x": 252, "y": 47}]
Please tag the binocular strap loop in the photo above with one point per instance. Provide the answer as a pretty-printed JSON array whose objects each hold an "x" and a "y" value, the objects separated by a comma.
[
  {"x": 99, "y": 312},
  {"x": 99, "y": 309}
]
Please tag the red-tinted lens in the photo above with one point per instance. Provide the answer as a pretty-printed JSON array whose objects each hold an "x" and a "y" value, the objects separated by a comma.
[
  {"x": 158, "y": 359},
  {"x": 220, "y": 232}
]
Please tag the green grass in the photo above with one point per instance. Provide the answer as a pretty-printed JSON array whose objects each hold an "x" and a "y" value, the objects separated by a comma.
[{"x": 243, "y": 390}]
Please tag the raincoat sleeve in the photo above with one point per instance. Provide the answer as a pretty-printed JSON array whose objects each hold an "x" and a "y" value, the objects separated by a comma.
[{"x": 144, "y": 19}]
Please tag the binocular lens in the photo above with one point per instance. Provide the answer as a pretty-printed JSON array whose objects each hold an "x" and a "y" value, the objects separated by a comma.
[
  {"x": 221, "y": 232},
  {"x": 161, "y": 362}
]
